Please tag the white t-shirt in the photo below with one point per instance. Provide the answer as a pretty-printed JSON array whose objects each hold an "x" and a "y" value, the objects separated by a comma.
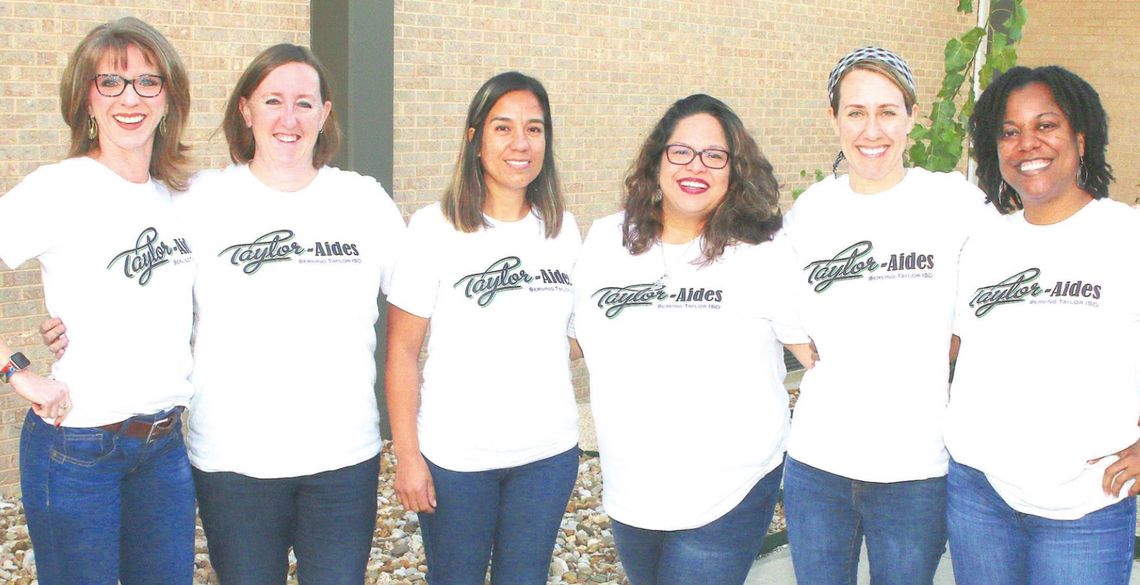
[
  {"x": 878, "y": 275},
  {"x": 496, "y": 389},
  {"x": 685, "y": 373},
  {"x": 1049, "y": 317},
  {"x": 118, "y": 270},
  {"x": 286, "y": 301}
]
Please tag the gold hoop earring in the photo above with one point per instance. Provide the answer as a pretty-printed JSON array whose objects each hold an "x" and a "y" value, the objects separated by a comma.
[
  {"x": 162, "y": 126},
  {"x": 92, "y": 128}
]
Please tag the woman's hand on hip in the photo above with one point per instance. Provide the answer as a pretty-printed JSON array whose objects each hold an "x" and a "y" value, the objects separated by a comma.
[
  {"x": 1125, "y": 469},
  {"x": 49, "y": 398}
]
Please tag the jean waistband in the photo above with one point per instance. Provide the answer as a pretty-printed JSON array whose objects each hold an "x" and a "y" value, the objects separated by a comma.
[{"x": 146, "y": 426}]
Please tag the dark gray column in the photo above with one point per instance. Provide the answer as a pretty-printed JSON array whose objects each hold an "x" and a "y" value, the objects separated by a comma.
[{"x": 353, "y": 38}]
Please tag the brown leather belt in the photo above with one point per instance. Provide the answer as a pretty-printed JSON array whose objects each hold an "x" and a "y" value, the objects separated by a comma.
[{"x": 143, "y": 429}]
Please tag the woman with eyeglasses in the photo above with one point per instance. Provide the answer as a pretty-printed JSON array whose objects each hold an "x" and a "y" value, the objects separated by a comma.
[
  {"x": 877, "y": 255},
  {"x": 487, "y": 444},
  {"x": 284, "y": 434},
  {"x": 106, "y": 484},
  {"x": 681, "y": 305},
  {"x": 1041, "y": 426}
]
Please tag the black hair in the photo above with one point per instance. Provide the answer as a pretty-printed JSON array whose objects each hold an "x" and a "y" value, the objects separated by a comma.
[{"x": 1080, "y": 104}]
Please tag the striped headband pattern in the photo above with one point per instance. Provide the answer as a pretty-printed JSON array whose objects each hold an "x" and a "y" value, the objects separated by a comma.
[{"x": 869, "y": 54}]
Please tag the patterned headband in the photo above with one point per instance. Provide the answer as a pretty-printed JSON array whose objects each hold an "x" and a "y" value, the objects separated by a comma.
[{"x": 868, "y": 54}]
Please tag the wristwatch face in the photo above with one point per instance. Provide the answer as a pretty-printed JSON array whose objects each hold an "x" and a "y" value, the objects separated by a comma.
[
  {"x": 15, "y": 363},
  {"x": 20, "y": 361}
]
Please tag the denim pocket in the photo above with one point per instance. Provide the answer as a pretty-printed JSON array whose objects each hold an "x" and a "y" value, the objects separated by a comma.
[
  {"x": 83, "y": 447},
  {"x": 173, "y": 440}
]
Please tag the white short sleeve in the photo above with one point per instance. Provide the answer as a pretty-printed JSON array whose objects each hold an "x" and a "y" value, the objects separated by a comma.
[
  {"x": 22, "y": 213},
  {"x": 785, "y": 309},
  {"x": 415, "y": 285}
]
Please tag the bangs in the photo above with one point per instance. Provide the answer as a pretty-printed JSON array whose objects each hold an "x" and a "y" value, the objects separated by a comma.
[{"x": 115, "y": 50}]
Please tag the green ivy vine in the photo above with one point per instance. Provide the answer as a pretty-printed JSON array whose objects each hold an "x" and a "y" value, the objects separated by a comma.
[{"x": 938, "y": 144}]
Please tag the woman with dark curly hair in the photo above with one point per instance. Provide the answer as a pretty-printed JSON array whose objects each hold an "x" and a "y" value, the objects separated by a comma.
[
  {"x": 1042, "y": 424},
  {"x": 680, "y": 309}
]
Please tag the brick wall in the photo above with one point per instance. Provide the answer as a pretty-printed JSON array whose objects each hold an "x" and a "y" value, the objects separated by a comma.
[
  {"x": 612, "y": 68},
  {"x": 1098, "y": 44},
  {"x": 216, "y": 38}
]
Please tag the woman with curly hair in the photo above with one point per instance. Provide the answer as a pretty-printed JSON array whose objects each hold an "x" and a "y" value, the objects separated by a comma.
[
  {"x": 680, "y": 308},
  {"x": 1042, "y": 425}
]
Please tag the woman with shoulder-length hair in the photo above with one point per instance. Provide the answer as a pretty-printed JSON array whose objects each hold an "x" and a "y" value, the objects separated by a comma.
[
  {"x": 681, "y": 306},
  {"x": 106, "y": 484},
  {"x": 1042, "y": 423},
  {"x": 486, "y": 446},
  {"x": 284, "y": 429},
  {"x": 877, "y": 252},
  {"x": 294, "y": 250}
]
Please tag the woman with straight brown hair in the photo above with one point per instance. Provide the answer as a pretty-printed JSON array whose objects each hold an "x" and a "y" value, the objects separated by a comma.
[
  {"x": 486, "y": 447},
  {"x": 106, "y": 483},
  {"x": 284, "y": 428}
]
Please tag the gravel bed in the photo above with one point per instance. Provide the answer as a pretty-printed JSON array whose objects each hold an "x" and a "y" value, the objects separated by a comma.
[{"x": 584, "y": 552}]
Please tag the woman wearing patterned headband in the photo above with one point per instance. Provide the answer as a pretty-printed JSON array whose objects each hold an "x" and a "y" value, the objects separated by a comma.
[
  {"x": 683, "y": 293},
  {"x": 878, "y": 249},
  {"x": 1041, "y": 470}
]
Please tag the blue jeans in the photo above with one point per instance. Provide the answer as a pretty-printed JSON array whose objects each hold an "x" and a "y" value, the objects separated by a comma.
[
  {"x": 828, "y": 515},
  {"x": 104, "y": 507},
  {"x": 719, "y": 552},
  {"x": 511, "y": 513},
  {"x": 994, "y": 544},
  {"x": 327, "y": 518}
]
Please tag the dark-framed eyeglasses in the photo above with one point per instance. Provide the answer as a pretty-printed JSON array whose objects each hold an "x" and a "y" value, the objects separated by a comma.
[
  {"x": 680, "y": 155},
  {"x": 112, "y": 85}
]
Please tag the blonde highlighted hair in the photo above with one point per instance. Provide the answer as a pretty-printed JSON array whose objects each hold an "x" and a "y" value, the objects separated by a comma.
[{"x": 168, "y": 160}]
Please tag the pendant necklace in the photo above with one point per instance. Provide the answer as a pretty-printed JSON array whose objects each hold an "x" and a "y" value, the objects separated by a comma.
[{"x": 667, "y": 266}]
